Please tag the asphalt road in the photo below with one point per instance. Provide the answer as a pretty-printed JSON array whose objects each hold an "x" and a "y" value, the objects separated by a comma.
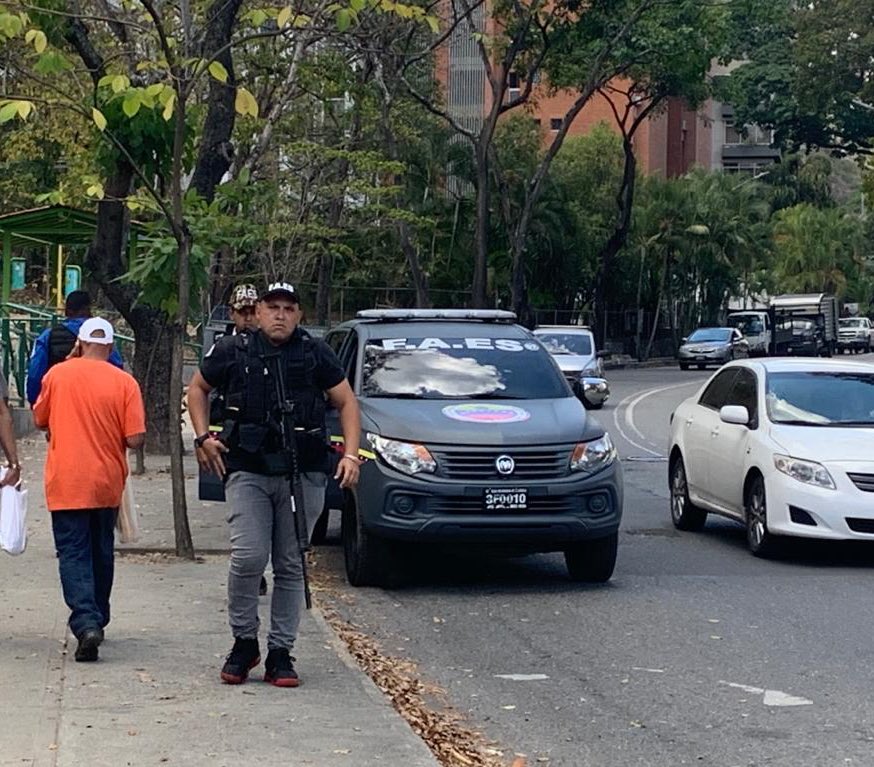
[{"x": 695, "y": 652}]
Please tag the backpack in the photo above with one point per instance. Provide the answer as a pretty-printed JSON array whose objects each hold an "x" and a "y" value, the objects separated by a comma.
[{"x": 60, "y": 344}]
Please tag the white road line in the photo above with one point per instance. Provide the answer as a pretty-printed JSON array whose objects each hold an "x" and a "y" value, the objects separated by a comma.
[
  {"x": 771, "y": 697},
  {"x": 630, "y": 403}
]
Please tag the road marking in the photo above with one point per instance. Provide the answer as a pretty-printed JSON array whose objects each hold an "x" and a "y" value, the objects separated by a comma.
[
  {"x": 648, "y": 670},
  {"x": 771, "y": 697},
  {"x": 630, "y": 403},
  {"x": 522, "y": 677}
]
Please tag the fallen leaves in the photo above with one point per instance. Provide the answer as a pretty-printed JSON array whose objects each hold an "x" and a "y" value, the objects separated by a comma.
[{"x": 453, "y": 743}]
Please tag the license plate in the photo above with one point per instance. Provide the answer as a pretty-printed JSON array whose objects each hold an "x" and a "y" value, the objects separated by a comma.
[
  {"x": 505, "y": 499},
  {"x": 701, "y": 358}
]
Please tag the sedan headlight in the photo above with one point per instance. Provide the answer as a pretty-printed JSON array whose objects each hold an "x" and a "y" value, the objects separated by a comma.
[
  {"x": 809, "y": 472},
  {"x": 408, "y": 457},
  {"x": 593, "y": 456}
]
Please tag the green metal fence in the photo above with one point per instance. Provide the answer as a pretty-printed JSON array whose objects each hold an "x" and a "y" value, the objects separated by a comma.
[{"x": 20, "y": 325}]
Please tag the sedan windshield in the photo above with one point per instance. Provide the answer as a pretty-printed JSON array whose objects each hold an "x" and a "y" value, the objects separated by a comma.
[
  {"x": 449, "y": 368},
  {"x": 821, "y": 398},
  {"x": 566, "y": 343},
  {"x": 712, "y": 335}
]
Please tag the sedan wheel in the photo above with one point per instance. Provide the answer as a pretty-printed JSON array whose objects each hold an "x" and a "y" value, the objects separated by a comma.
[
  {"x": 762, "y": 543},
  {"x": 684, "y": 514}
]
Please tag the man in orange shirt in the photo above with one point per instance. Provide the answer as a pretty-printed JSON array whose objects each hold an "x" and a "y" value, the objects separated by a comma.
[{"x": 93, "y": 412}]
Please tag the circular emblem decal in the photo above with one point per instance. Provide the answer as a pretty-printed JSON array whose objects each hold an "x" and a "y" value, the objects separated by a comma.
[
  {"x": 482, "y": 412},
  {"x": 505, "y": 464}
]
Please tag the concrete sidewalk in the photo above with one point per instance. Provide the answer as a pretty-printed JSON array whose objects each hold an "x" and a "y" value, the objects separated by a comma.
[{"x": 155, "y": 697}]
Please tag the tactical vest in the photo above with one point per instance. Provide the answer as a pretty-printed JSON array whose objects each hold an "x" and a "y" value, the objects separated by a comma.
[
  {"x": 61, "y": 343},
  {"x": 252, "y": 398}
]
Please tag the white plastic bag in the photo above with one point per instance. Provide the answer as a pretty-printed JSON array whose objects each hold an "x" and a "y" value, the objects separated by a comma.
[
  {"x": 127, "y": 522},
  {"x": 13, "y": 518}
]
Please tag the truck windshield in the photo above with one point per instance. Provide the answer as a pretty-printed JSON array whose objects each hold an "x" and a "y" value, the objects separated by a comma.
[
  {"x": 748, "y": 324},
  {"x": 851, "y": 323},
  {"x": 809, "y": 398},
  {"x": 446, "y": 368}
]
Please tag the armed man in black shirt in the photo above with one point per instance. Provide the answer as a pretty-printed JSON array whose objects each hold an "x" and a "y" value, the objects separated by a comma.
[{"x": 254, "y": 370}]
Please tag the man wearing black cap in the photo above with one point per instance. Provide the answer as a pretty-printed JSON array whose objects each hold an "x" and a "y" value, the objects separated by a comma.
[
  {"x": 54, "y": 344},
  {"x": 251, "y": 458}
]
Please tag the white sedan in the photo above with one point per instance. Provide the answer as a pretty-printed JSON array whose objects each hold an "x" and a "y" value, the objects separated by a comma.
[{"x": 784, "y": 446}]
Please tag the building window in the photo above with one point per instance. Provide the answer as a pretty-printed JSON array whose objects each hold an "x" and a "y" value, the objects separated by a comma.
[
  {"x": 554, "y": 123},
  {"x": 753, "y": 134}
]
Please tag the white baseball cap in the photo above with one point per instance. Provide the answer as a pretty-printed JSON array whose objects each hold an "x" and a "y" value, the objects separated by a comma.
[{"x": 96, "y": 330}]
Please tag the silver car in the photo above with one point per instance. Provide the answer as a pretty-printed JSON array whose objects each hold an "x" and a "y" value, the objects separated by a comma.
[
  {"x": 573, "y": 348},
  {"x": 712, "y": 346}
]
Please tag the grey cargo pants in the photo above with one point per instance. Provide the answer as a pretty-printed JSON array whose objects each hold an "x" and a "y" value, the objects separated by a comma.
[{"x": 262, "y": 528}]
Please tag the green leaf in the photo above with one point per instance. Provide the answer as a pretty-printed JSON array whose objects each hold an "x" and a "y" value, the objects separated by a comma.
[
  {"x": 244, "y": 176},
  {"x": 344, "y": 19},
  {"x": 99, "y": 119},
  {"x": 434, "y": 23},
  {"x": 119, "y": 83},
  {"x": 105, "y": 80},
  {"x": 155, "y": 89},
  {"x": 24, "y": 109},
  {"x": 357, "y": 5},
  {"x": 8, "y": 111},
  {"x": 132, "y": 103},
  {"x": 39, "y": 41},
  {"x": 218, "y": 71},
  {"x": 169, "y": 106},
  {"x": 258, "y": 17},
  {"x": 283, "y": 17}
]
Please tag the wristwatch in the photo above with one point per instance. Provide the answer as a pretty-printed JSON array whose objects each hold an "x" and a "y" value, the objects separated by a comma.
[{"x": 198, "y": 441}]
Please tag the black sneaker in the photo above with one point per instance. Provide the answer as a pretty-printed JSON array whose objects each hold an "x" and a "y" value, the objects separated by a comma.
[
  {"x": 279, "y": 669},
  {"x": 262, "y": 589},
  {"x": 89, "y": 641},
  {"x": 240, "y": 661}
]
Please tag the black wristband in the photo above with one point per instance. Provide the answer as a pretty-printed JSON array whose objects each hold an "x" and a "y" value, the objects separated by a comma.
[{"x": 198, "y": 441}]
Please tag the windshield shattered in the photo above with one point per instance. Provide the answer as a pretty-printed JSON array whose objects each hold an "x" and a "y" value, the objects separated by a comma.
[
  {"x": 712, "y": 335},
  {"x": 451, "y": 368},
  {"x": 821, "y": 398},
  {"x": 566, "y": 343}
]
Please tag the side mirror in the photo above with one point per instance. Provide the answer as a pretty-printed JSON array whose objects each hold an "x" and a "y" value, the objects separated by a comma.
[
  {"x": 735, "y": 414},
  {"x": 600, "y": 354}
]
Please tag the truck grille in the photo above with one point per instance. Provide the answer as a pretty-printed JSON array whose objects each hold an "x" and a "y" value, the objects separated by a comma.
[
  {"x": 531, "y": 463},
  {"x": 462, "y": 504},
  {"x": 864, "y": 482}
]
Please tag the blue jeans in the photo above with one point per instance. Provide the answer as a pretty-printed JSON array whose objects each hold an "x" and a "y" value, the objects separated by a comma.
[{"x": 85, "y": 542}]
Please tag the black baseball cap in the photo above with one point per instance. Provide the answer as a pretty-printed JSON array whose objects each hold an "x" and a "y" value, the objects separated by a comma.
[{"x": 280, "y": 288}]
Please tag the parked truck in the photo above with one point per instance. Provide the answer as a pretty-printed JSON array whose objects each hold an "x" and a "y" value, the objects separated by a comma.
[{"x": 804, "y": 324}]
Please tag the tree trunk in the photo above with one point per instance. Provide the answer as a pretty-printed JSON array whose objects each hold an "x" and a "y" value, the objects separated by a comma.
[
  {"x": 655, "y": 322},
  {"x": 420, "y": 279},
  {"x": 216, "y": 149},
  {"x": 151, "y": 367},
  {"x": 519, "y": 283},
  {"x": 481, "y": 237},
  {"x": 619, "y": 236},
  {"x": 106, "y": 259},
  {"x": 323, "y": 289}
]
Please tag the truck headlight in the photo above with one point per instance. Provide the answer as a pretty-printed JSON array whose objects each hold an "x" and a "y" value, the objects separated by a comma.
[
  {"x": 593, "y": 456},
  {"x": 593, "y": 371},
  {"x": 406, "y": 457},
  {"x": 809, "y": 472}
]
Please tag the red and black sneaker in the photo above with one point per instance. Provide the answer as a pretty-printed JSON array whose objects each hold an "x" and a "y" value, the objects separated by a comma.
[
  {"x": 279, "y": 669},
  {"x": 241, "y": 660}
]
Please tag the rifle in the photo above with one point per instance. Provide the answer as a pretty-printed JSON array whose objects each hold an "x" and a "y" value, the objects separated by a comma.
[{"x": 289, "y": 446}]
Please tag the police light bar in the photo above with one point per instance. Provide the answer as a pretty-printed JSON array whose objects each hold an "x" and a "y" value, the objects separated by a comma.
[{"x": 485, "y": 315}]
